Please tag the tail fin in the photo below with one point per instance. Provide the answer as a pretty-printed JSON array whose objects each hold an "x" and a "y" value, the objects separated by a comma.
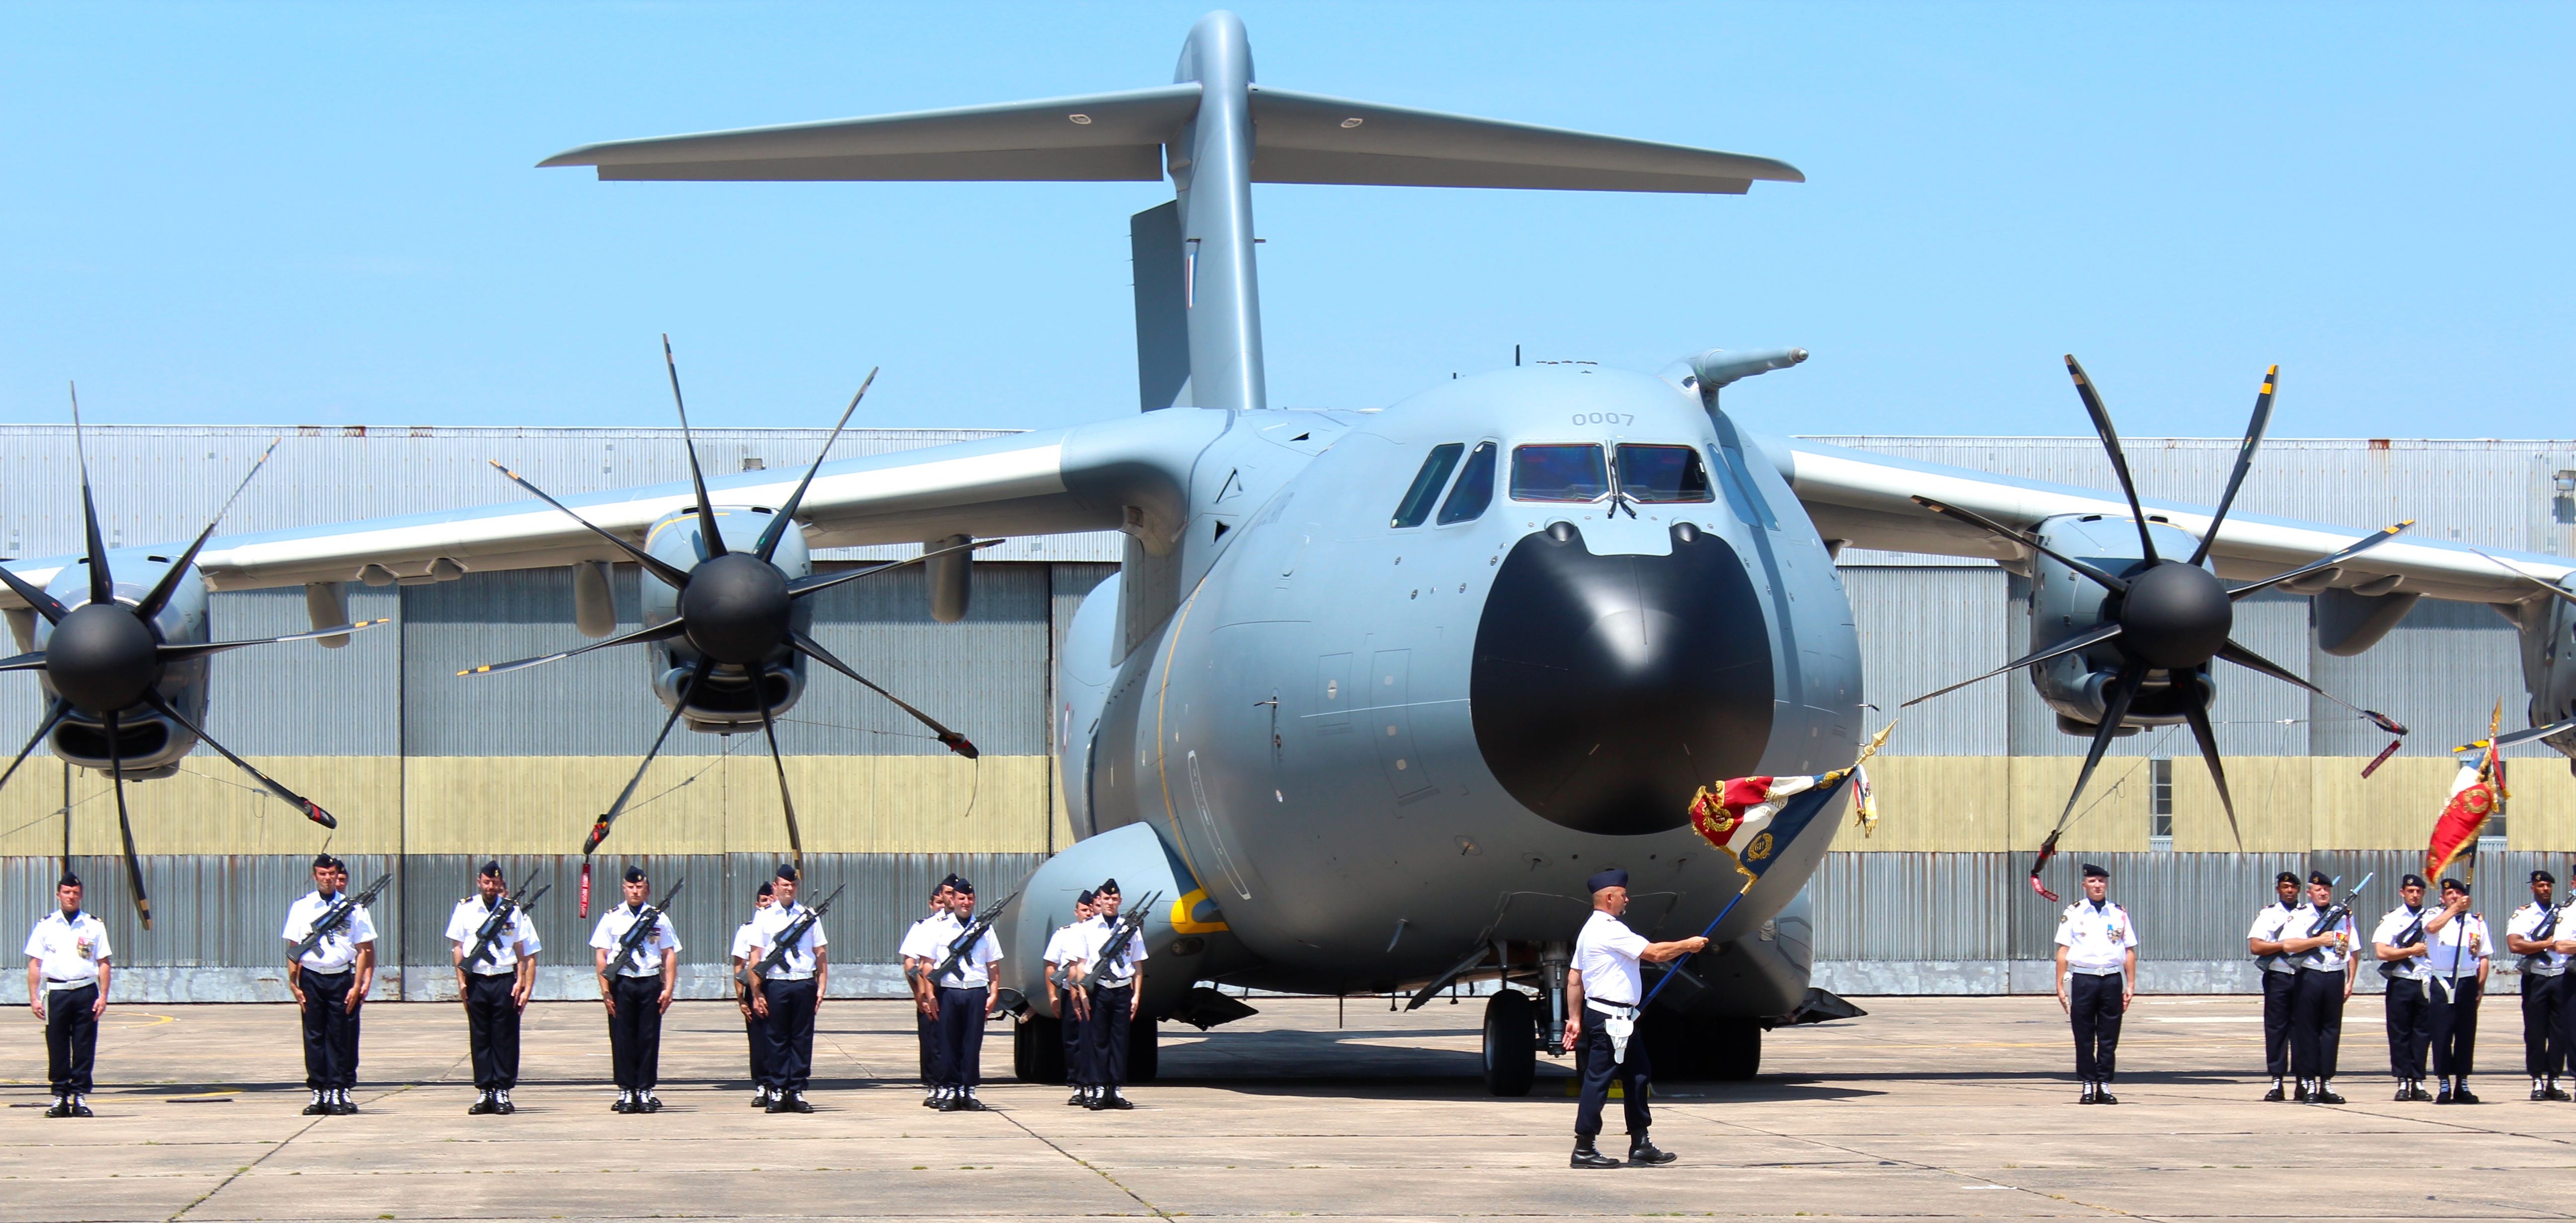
[{"x": 1204, "y": 129}]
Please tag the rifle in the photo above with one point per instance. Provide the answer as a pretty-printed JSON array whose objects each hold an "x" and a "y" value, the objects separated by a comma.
[
  {"x": 338, "y": 915},
  {"x": 503, "y": 910},
  {"x": 793, "y": 933},
  {"x": 2546, "y": 930},
  {"x": 646, "y": 923},
  {"x": 2338, "y": 911},
  {"x": 2408, "y": 937},
  {"x": 1129, "y": 924},
  {"x": 964, "y": 944}
]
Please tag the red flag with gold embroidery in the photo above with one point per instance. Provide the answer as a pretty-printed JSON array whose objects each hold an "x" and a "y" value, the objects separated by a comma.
[{"x": 2477, "y": 793}]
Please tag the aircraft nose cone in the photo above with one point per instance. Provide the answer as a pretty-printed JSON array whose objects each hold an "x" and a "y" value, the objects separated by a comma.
[
  {"x": 101, "y": 657},
  {"x": 1607, "y": 689},
  {"x": 737, "y": 608}
]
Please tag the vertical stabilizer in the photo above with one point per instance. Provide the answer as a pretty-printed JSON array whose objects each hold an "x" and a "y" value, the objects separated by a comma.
[
  {"x": 1162, "y": 313},
  {"x": 1210, "y": 159}
]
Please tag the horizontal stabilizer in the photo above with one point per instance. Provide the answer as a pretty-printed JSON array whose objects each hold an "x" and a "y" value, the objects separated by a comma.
[
  {"x": 1298, "y": 138},
  {"x": 1310, "y": 138},
  {"x": 1103, "y": 137}
]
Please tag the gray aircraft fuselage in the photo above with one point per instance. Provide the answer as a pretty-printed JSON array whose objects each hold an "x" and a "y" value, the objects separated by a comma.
[{"x": 1378, "y": 746}]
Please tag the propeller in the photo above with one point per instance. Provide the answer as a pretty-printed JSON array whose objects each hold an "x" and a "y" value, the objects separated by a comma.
[
  {"x": 2169, "y": 619},
  {"x": 106, "y": 658},
  {"x": 735, "y": 609}
]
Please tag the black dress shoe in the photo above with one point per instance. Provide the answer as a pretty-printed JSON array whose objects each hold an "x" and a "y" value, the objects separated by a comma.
[
  {"x": 650, "y": 1104},
  {"x": 2276, "y": 1095},
  {"x": 482, "y": 1104},
  {"x": 318, "y": 1108},
  {"x": 2559, "y": 1093},
  {"x": 1116, "y": 1101},
  {"x": 777, "y": 1104},
  {"x": 1643, "y": 1153},
  {"x": 1587, "y": 1157},
  {"x": 80, "y": 1108},
  {"x": 970, "y": 1104},
  {"x": 2445, "y": 1096},
  {"x": 62, "y": 1107},
  {"x": 343, "y": 1106},
  {"x": 2465, "y": 1096},
  {"x": 2088, "y": 1096},
  {"x": 501, "y": 1104},
  {"x": 2102, "y": 1095},
  {"x": 2324, "y": 1095},
  {"x": 796, "y": 1103},
  {"x": 1080, "y": 1098},
  {"x": 2539, "y": 1092}
]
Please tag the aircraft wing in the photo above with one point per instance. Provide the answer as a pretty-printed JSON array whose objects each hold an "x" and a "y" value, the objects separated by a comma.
[
  {"x": 1866, "y": 500},
  {"x": 1131, "y": 473}
]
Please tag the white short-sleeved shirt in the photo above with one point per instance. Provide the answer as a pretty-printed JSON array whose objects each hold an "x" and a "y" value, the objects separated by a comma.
[
  {"x": 2097, "y": 938},
  {"x": 338, "y": 951},
  {"x": 516, "y": 941},
  {"x": 2271, "y": 925},
  {"x": 2525, "y": 922},
  {"x": 973, "y": 968},
  {"x": 745, "y": 937},
  {"x": 2459, "y": 945},
  {"x": 2329, "y": 958},
  {"x": 918, "y": 943},
  {"x": 611, "y": 932},
  {"x": 1095, "y": 939},
  {"x": 2394, "y": 926},
  {"x": 1068, "y": 945},
  {"x": 798, "y": 965},
  {"x": 1606, "y": 954},
  {"x": 69, "y": 951}
]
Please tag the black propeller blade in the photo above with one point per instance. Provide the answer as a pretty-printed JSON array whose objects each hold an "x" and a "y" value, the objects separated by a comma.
[
  {"x": 187, "y": 650},
  {"x": 2254, "y": 430},
  {"x": 125, "y": 825},
  {"x": 664, "y": 631},
  {"x": 957, "y": 743},
  {"x": 707, "y": 532},
  {"x": 599, "y": 830},
  {"x": 303, "y": 806},
  {"x": 786, "y": 800},
  {"x": 53, "y": 717},
  {"x": 159, "y": 596},
  {"x": 2552, "y": 587},
  {"x": 2111, "y": 445},
  {"x": 671, "y": 575},
  {"x": 102, "y": 584},
  {"x": 2170, "y": 618},
  {"x": 786, "y": 516}
]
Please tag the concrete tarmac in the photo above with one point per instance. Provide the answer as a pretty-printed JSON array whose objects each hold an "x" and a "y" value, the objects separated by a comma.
[{"x": 1927, "y": 1109}]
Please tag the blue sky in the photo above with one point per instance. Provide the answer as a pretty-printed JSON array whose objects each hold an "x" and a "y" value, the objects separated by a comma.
[{"x": 328, "y": 214}]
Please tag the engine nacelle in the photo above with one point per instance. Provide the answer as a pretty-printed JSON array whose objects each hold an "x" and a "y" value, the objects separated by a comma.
[
  {"x": 729, "y": 702},
  {"x": 148, "y": 745},
  {"x": 2064, "y": 604}
]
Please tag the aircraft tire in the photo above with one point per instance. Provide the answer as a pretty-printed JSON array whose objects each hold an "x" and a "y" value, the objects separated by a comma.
[
  {"x": 1144, "y": 1051},
  {"x": 1037, "y": 1050},
  {"x": 1511, "y": 1043},
  {"x": 1733, "y": 1049}
]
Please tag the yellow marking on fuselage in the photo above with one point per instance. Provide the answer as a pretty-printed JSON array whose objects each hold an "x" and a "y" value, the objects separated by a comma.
[{"x": 1182, "y": 923}]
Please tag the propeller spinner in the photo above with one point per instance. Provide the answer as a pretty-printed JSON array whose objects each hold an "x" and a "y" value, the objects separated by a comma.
[
  {"x": 106, "y": 658},
  {"x": 736, "y": 609},
  {"x": 2165, "y": 616}
]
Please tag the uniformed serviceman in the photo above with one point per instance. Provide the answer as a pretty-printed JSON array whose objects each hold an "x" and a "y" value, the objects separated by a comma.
[
  {"x": 2280, "y": 978},
  {"x": 967, "y": 995},
  {"x": 330, "y": 983},
  {"x": 2459, "y": 961},
  {"x": 924, "y": 945},
  {"x": 639, "y": 994},
  {"x": 2539, "y": 934},
  {"x": 1115, "y": 986},
  {"x": 752, "y": 1023},
  {"x": 2097, "y": 976},
  {"x": 2401, "y": 945},
  {"x": 1603, "y": 988},
  {"x": 67, "y": 972},
  {"x": 1068, "y": 950},
  {"x": 790, "y": 997},
  {"x": 494, "y": 988},
  {"x": 2326, "y": 969}
]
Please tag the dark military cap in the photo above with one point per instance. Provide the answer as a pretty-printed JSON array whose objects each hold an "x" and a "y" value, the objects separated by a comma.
[
  {"x": 322, "y": 860},
  {"x": 2544, "y": 877},
  {"x": 1085, "y": 898},
  {"x": 635, "y": 874},
  {"x": 2411, "y": 881},
  {"x": 2319, "y": 878},
  {"x": 766, "y": 889},
  {"x": 2094, "y": 872},
  {"x": 69, "y": 880},
  {"x": 964, "y": 888},
  {"x": 492, "y": 868},
  {"x": 2454, "y": 885},
  {"x": 1611, "y": 878},
  {"x": 2290, "y": 877},
  {"x": 1108, "y": 887},
  {"x": 787, "y": 871},
  {"x": 950, "y": 882}
]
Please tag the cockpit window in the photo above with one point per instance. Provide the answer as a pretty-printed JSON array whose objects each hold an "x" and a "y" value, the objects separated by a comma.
[
  {"x": 1475, "y": 488},
  {"x": 1661, "y": 474},
  {"x": 1427, "y": 483},
  {"x": 1559, "y": 473}
]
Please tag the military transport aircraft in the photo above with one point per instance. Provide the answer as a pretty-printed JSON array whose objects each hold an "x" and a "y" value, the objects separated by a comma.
[{"x": 1374, "y": 690}]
